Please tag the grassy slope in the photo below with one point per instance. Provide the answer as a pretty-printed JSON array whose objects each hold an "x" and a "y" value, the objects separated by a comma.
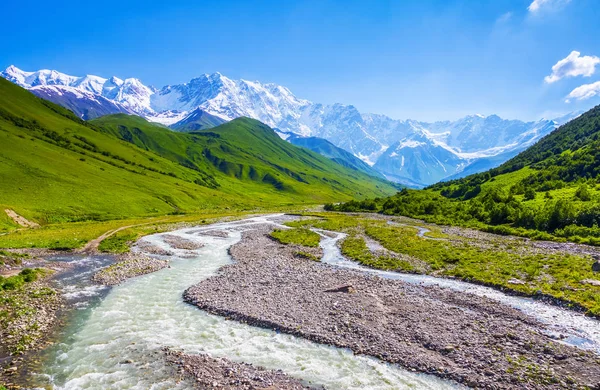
[
  {"x": 535, "y": 194},
  {"x": 248, "y": 158},
  {"x": 56, "y": 168}
]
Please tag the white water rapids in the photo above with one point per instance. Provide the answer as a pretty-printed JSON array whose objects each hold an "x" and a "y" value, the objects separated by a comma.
[{"x": 116, "y": 343}]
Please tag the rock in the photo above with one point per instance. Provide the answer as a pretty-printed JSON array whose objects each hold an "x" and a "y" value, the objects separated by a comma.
[
  {"x": 515, "y": 281},
  {"x": 346, "y": 289},
  {"x": 208, "y": 372},
  {"x": 596, "y": 266},
  {"x": 591, "y": 282},
  {"x": 448, "y": 349}
]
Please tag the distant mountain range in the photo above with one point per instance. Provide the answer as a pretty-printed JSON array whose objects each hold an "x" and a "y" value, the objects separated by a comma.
[{"x": 410, "y": 152}]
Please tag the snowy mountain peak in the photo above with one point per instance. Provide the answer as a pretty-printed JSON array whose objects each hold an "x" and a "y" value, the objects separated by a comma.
[{"x": 412, "y": 151}]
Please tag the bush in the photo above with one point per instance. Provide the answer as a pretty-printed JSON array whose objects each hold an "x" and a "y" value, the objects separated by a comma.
[
  {"x": 17, "y": 281},
  {"x": 583, "y": 193},
  {"x": 529, "y": 194}
]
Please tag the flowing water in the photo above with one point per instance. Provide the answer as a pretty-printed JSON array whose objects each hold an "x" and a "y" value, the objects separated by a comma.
[
  {"x": 116, "y": 341},
  {"x": 569, "y": 327}
]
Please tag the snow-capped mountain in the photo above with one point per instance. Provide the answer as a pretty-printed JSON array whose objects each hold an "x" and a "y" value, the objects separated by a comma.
[
  {"x": 129, "y": 94},
  {"x": 418, "y": 160},
  {"x": 412, "y": 152},
  {"x": 86, "y": 105}
]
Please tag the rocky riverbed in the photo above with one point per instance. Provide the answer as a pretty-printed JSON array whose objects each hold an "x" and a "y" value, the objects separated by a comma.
[
  {"x": 128, "y": 266},
  {"x": 27, "y": 316},
  {"x": 470, "y": 339},
  {"x": 207, "y": 372}
]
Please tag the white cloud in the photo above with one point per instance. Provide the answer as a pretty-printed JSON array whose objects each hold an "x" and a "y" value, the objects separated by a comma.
[
  {"x": 538, "y": 5},
  {"x": 573, "y": 65},
  {"x": 585, "y": 91}
]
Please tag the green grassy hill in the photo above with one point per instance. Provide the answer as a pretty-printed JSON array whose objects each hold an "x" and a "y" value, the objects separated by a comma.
[
  {"x": 55, "y": 167},
  {"x": 549, "y": 191}
]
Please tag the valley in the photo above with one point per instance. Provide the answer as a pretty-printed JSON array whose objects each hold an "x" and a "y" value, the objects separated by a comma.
[
  {"x": 433, "y": 328},
  {"x": 225, "y": 233}
]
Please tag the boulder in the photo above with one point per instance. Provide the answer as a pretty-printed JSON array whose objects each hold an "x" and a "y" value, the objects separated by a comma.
[{"x": 596, "y": 266}]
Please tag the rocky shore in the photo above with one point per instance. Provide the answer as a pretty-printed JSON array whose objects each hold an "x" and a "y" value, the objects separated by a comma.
[
  {"x": 207, "y": 372},
  {"x": 27, "y": 317},
  {"x": 472, "y": 340},
  {"x": 128, "y": 266}
]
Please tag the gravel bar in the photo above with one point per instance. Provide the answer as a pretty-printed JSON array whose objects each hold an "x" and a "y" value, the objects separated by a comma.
[
  {"x": 128, "y": 266},
  {"x": 472, "y": 340},
  {"x": 207, "y": 372}
]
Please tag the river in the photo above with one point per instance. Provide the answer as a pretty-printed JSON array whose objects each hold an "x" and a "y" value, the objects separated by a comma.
[{"x": 116, "y": 339}]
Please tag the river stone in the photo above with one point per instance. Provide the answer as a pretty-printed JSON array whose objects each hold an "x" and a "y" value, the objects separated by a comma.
[{"x": 591, "y": 282}]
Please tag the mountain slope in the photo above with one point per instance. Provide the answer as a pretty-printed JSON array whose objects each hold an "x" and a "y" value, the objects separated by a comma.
[
  {"x": 417, "y": 161},
  {"x": 566, "y": 154},
  {"x": 85, "y": 105},
  {"x": 329, "y": 150},
  {"x": 549, "y": 191},
  {"x": 197, "y": 120},
  {"x": 247, "y": 150},
  {"x": 210, "y": 99},
  {"x": 56, "y": 167}
]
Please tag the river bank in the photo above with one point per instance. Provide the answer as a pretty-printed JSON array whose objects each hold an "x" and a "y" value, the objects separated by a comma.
[
  {"x": 470, "y": 339},
  {"x": 32, "y": 315}
]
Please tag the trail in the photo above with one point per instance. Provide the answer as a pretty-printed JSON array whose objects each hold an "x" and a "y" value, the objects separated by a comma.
[
  {"x": 92, "y": 246},
  {"x": 20, "y": 220}
]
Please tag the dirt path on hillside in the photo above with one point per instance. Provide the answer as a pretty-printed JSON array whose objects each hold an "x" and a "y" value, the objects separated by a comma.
[
  {"x": 20, "y": 220},
  {"x": 92, "y": 246}
]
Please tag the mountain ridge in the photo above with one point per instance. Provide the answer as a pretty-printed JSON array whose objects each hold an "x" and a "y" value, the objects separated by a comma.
[
  {"x": 367, "y": 136},
  {"x": 121, "y": 166}
]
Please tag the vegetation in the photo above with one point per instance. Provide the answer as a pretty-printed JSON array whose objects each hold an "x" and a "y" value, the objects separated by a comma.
[
  {"x": 550, "y": 191},
  {"x": 300, "y": 236},
  {"x": 306, "y": 255},
  {"x": 505, "y": 262},
  {"x": 57, "y": 168},
  {"x": 20, "y": 322},
  {"x": 17, "y": 281}
]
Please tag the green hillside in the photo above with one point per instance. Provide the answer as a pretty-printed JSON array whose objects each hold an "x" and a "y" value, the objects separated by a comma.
[
  {"x": 55, "y": 167},
  {"x": 198, "y": 120},
  {"x": 549, "y": 191}
]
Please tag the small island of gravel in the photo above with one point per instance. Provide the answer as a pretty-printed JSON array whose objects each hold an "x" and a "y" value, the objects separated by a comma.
[
  {"x": 470, "y": 339},
  {"x": 208, "y": 372},
  {"x": 128, "y": 266}
]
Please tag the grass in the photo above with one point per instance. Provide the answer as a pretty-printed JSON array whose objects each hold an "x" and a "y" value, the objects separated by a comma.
[
  {"x": 118, "y": 242},
  {"x": 67, "y": 236},
  {"x": 15, "y": 282},
  {"x": 493, "y": 263},
  {"x": 299, "y": 236},
  {"x": 56, "y": 168},
  {"x": 306, "y": 255},
  {"x": 355, "y": 248}
]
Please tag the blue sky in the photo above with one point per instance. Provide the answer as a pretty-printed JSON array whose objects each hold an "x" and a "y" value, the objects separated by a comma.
[{"x": 426, "y": 60}]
